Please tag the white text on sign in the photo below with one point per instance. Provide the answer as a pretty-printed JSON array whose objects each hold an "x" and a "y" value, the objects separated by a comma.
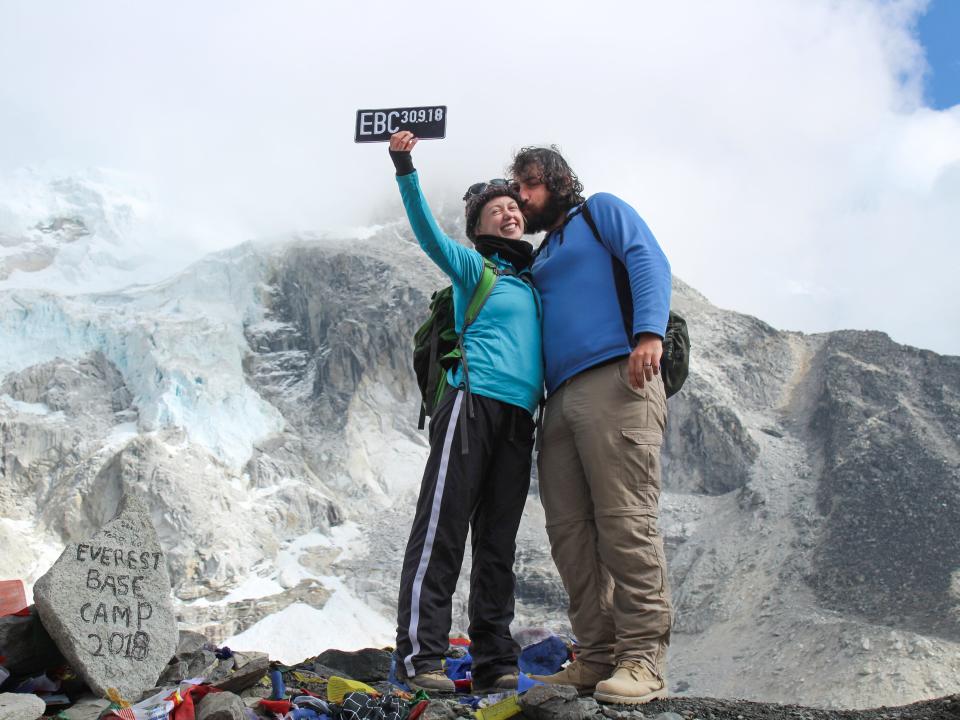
[{"x": 378, "y": 125}]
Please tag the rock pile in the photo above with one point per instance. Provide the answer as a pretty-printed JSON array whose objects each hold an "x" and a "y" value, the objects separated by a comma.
[
  {"x": 246, "y": 686},
  {"x": 102, "y": 644}
]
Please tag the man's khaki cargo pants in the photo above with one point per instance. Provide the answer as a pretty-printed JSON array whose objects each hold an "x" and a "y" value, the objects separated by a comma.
[{"x": 599, "y": 469}]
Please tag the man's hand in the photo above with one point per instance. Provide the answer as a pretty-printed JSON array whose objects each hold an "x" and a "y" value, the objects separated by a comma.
[
  {"x": 645, "y": 359},
  {"x": 403, "y": 141}
]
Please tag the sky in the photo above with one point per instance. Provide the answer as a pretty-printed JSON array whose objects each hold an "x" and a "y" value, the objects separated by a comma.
[
  {"x": 939, "y": 33},
  {"x": 798, "y": 160}
]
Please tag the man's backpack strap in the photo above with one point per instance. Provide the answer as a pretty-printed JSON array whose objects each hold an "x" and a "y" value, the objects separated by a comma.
[
  {"x": 620, "y": 279},
  {"x": 676, "y": 342}
]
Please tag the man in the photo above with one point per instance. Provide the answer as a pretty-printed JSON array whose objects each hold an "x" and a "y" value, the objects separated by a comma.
[{"x": 603, "y": 425}]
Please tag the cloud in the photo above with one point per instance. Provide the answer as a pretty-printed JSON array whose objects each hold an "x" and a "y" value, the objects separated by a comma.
[{"x": 770, "y": 145}]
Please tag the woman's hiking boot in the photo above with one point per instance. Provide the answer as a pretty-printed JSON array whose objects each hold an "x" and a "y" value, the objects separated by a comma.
[
  {"x": 577, "y": 674},
  {"x": 432, "y": 681},
  {"x": 497, "y": 685},
  {"x": 632, "y": 683}
]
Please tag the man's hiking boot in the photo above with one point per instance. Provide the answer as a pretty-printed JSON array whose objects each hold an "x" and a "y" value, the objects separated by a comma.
[
  {"x": 433, "y": 681},
  {"x": 632, "y": 683},
  {"x": 498, "y": 685},
  {"x": 577, "y": 674}
]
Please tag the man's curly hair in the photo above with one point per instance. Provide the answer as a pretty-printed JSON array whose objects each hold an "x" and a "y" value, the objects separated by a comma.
[{"x": 565, "y": 187}]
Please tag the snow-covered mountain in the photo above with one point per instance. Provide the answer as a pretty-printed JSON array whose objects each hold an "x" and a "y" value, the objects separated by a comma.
[
  {"x": 77, "y": 232},
  {"x": 263, "y": 401}
]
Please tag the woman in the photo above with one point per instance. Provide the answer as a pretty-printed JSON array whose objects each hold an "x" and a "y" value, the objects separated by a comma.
[{"x": 476, "y": 477}]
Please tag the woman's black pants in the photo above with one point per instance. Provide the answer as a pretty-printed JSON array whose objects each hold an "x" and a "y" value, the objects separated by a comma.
[{"x": 483, "y": 490}]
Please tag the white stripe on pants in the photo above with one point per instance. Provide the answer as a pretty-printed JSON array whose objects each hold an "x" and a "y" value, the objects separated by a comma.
[{"x": 431, "y": 533}]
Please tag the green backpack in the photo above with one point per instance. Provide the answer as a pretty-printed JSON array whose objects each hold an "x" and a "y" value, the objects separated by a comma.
[
  {"x": 436, "y": 345},
  {"x": 675, "y": 363}
]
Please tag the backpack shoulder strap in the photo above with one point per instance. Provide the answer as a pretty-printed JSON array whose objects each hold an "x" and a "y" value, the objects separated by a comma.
[
  {"x": 488, "y": 278},
  {"x": 620, "y": 277},
  {"x": 570, "y": 216},
  {"x": 588, "y": 217}
]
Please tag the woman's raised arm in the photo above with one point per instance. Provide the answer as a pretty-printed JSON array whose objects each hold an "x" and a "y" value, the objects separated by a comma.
[{"x": 462, "y": 265}]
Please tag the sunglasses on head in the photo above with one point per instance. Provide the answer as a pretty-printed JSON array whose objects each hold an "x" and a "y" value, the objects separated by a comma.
[{"x": 480, "y": 187}]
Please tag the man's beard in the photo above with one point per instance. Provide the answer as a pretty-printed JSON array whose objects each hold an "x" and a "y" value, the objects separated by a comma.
[{"x": 545, "y": 218}]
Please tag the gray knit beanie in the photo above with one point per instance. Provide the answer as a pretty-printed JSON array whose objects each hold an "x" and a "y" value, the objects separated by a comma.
[{"x": 475, "y": 203}]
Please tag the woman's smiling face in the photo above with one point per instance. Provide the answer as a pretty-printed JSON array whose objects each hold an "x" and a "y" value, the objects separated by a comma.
[{"x": 501, "y": 217}]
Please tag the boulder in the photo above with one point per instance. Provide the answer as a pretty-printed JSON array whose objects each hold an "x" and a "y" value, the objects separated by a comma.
[
  {"x": 189, "y": 642},
  {"x": 26, "y": 646},
  {"x": 87, "y": 707},
  {"x": 367, "y": 665},
  {"x": 243, "y": 672},
  {"x": 194, "y": 658},
  {"x": 325, "y": 671},
  {"x": 106, "y": 602},
  {"x": 21, "y": 706},
  {"x": 556, "y": 702},
  {"x": 221, "y": 706}
]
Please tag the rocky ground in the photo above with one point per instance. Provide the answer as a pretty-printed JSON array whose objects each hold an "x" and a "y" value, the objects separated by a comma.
[
  {"x": 541, "y": 702},
  {"x": 714, "y": 709},
  {"x": 248, "y": 686}
]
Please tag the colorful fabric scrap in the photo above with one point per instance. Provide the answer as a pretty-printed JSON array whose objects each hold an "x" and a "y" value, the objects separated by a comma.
[
  {"x": 361, "y": 706},
  {"x": 278, "y": 707},
  {"x": 506, "y": 708},
  {"x": 338, "y": 688},
  {"x": 13, "y": 599},
  {"x": 545, "y": 657},
  {"x": 417, "y": 710}
]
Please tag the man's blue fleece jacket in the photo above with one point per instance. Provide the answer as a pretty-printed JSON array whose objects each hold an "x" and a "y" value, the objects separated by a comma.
[{"x": 582, "y": 321}]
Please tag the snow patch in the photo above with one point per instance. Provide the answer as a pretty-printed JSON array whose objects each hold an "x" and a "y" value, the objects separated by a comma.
[
  {"x": 28, "y": 552},
  {"x": 119, "y": 436},
  {"x": 300, "y": 631},
  {"x": 251, "y": 588},
  {"x": 288, "y": 571},
  {"x": 25, "y": 408},
  {"x": 88, "y": 231}
]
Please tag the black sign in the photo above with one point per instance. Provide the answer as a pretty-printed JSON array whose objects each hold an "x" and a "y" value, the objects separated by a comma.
[{"x": 424, "y": 122}]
